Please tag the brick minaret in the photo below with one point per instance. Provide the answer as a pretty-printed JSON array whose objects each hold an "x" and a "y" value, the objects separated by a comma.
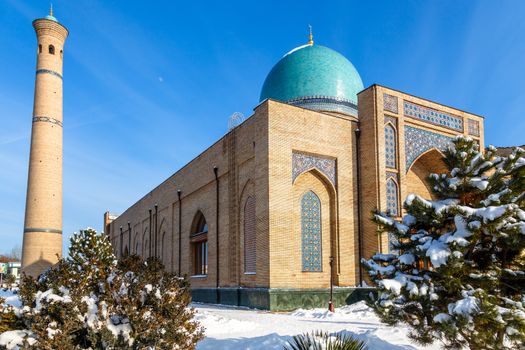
[{"x": 43, "y": 216}]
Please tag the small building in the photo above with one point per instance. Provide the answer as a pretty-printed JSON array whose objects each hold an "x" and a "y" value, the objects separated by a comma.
[{"x": 279, "y": 208}]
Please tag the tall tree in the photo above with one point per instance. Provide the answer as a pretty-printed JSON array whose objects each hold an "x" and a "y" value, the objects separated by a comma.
[{"x": 457, "y": 269}]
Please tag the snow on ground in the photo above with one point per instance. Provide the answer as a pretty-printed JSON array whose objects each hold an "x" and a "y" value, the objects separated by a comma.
[
  {"x": 236, "y": 328},
  {"x": 232, "y": 328}
]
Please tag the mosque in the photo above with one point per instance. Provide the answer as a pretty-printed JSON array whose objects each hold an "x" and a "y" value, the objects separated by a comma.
[{"x": 278, "y": 210}]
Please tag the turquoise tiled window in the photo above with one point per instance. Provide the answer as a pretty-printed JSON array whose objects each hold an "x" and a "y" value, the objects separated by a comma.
[
  {"x": 311, "y": 232},
  {"x": 391, "y": 198},
  {"x": 390, "y": 146}
]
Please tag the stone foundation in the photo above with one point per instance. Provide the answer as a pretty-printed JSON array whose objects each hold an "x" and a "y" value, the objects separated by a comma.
[{"x": 279, "y": 299}]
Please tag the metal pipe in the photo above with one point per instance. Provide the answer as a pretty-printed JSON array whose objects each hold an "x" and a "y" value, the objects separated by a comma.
[
  {"x": 120, "y": 252},
  {"x": 149, "y": 227},
  {"x": 331, "y": 302},
  {"x": 180, "y": 228},
  {"x": 215, "y": 171},
  {"x": 156, "y": 229},
  {"x": 129, "y": 238},
  {"x": 359, "y": 214}
]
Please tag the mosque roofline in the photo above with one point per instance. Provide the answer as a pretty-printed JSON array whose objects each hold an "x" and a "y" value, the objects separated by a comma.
[
  {"x": 328, "y": 113},
  {"x": 350, "y": 118},
  {"x": 421, "y": 98}
]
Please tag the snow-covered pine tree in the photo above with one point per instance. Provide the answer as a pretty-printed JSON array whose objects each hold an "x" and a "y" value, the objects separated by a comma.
[
  {"x": 91, "y": 301},
  {"x": 457, "y": 270}
]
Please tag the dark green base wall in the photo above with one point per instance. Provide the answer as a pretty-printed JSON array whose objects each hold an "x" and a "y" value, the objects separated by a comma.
[{"x": 279, "y": 299}]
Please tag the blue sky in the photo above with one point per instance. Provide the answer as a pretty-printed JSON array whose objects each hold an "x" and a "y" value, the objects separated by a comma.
[{"x": 148, "y": 85}]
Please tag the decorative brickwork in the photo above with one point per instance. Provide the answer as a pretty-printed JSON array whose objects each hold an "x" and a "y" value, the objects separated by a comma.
[
  {"x": 311, "y": 232},
  {"x": 304, "y": 162},
  {"x": 473, "y": 127},
  {"x": 433, "y": 116},
  {"x": 249, "y": 236},
  {"x": 390, "y": 103},
  {"x": 47, "y": 120},
  {"x": 49, "y": 71},
  {"x": 418, "y": 141}
]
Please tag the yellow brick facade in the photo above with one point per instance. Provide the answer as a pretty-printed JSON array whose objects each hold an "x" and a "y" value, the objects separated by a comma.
[
  {"x": 42, "y": 243},
  {"x": 256, "y": 160}
]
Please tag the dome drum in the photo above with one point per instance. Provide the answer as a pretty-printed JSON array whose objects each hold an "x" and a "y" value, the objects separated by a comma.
[{"x": 325, "y": 103}]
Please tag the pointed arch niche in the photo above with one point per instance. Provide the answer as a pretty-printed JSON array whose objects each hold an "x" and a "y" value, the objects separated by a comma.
[
  {"x": 313, "y": 238},
  {"x": 427, "y": 163}
]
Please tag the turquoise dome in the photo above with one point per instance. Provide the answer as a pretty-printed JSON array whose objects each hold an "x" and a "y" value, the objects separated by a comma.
[{"x": 315, "y": 77}]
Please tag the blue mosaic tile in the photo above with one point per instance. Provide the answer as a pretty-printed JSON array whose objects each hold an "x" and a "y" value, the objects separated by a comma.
[
  {"x": 390, "y": 146},
  {"x": 48, "y": 71},
  {"x": 433, "y": 116},
  {"x": 311, "y": 232},
  {"x": 392, "y": 200},
  {"x": 303, "y": 162},
  {"x": 325, "y": 103},
  {"x": 37, "y": 119},
  {"x": 418, "y": 141}
]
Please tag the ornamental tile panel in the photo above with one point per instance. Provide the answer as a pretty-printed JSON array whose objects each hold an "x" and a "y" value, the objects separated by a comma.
[
  {"x": 390, "y": 103},
  {"x": 433, "y": 116},
  {"x": 392, "y": 200},
  {"x": 418, "y": 141},
  {"x": 473, "y": 127},
  {"x": 390, "y": 146},
  {"x": 311, "y": 232},
  {"x": 303, "y": 162}
]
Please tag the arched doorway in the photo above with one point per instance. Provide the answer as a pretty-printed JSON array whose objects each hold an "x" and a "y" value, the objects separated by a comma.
[{"x": 417, "y": 175}]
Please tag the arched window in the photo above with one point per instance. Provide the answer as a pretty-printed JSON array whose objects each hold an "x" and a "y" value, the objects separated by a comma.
[
  {"x": 249, "y": 236},
  {"x": 61, "y": 54},
  {"x": 40, "y": 48},
  {"x": 51, "y": 49},
  {"x": 392, "y": 205},
  {"x": 199, "y": 245},
  {"x": 390, "y": 146},
  {"x": 311, "y": 232}
]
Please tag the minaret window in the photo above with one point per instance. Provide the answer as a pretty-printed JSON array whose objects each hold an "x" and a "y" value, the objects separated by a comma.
[
  {"x": 51, "y": 49},
  {"x": 40, "y": 48}
]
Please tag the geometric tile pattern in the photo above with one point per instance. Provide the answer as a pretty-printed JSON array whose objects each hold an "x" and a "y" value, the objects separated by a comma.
[
  {"x": 418, "y": 141},
  {"x": 390, "y": 103},
  {"x": 304, "y": 162},
  {"x": 311, "y": 232},
  {"x": 47, "y": 120},
  {"x": 434, "y": 117},
  {"x": 48, "y": 71},
  {"x": 392, "y": 202},
  {"x": 325, "y": 103},
  {"x": 390, "y": 146},
  {"x": 473, "y": 127}
]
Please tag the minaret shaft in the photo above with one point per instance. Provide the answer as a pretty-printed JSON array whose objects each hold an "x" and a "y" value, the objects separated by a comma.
[{"x": 43, "y": 217}]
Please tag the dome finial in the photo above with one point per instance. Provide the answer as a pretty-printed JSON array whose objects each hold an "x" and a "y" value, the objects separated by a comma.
[
  {"x": 51, "y": 9},
  {"x": 311, "y": 37}
]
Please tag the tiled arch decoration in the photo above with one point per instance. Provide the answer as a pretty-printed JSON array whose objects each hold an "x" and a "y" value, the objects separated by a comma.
[
  {"x": 418, "y": 141},
  {"x": 303, "y": 162}
]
